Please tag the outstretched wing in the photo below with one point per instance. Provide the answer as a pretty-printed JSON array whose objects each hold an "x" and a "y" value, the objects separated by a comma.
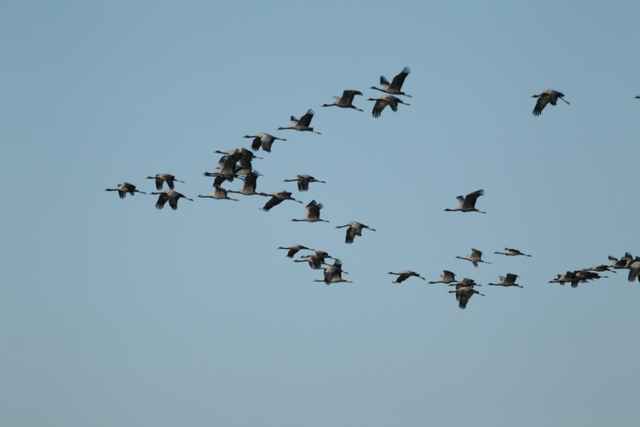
[
  {"x": 540, "y": 104},
  {"x": 162, "y": 199},
  {"x": 347, "y": 95},
  {"x": 398, "y": 80},
  {"x": 273, "y": 201},
  {"x": 470, "y": 200},
  {"x": 306, "y": 119}
]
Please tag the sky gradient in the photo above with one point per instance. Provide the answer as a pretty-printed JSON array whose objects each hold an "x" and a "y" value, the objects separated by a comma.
[{"x": 114, "y": 313}]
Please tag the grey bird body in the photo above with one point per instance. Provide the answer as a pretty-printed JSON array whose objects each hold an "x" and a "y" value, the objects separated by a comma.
[
  {"x": 169, "y": 196},
  {"x": 355, "y": 229},
  {"x": 468, "y": 202},
  {"x": 346, "y": 101},
  {"x": 124, "y": 189},
  {"x": 394, "y": 88},
  {"x": 548, "y": 96}
]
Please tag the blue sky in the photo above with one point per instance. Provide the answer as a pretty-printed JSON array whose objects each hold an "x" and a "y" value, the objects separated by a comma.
[{"x": 115, "y": 313}]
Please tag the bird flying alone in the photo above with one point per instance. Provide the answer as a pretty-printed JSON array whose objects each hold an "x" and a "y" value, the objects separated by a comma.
[
  {"x": 302, "y": 124},
  {"x": 548, "y": 96},
  {"x": 463, "y": 294},
  {"x": 468, "y": 203}
]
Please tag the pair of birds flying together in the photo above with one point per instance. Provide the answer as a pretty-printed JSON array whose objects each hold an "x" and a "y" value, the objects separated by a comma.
[
  {"x": 354, "y": 228},
  {"x": 391, "y": 89},
  {"x": 165, "y": 196}
]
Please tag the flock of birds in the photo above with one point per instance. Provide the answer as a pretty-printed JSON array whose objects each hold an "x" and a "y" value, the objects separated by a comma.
[
  {"x": 627, "y": 262},
  {"x": 237, "y": 164}
]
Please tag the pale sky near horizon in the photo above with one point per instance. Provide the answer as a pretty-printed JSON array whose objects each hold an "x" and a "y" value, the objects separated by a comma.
[{"x": 114, "y": 313}]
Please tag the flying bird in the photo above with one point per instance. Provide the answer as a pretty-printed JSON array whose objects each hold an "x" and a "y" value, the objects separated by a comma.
[
  {"x": 475, "y": 257},
  {"x": 547, "y": 96},
  {"x": 249, "y": 185},
  {"x": 602, "y": 267},
  {"x": 622, "y": 262},
  {"x": 346, "y": 101},
  {"x": 468, "y": 203},
  {"x": 396, "y": 83},
  {"x": 463, "y": 294},
  {"x": 315, "y": 259},
  {"x": 218, "y": 193},
  {"x": 125, "y": 188},
  {"x": 355, "y": 229},
  {"x": 465, "y": 282},
  {"x": 169, "y": 196},
  {"x": 382, "y": 102},
  {"x": 303, "y": 181},
  {"x": 509, "y": 280},
  {"x": 313, "y": 213},
  {"x": 302, "y": 124},
  {"x": 333, "y": 273},
  {"x": 587, "y": 274},
  {"x": 293, "y": 249},
  {"x": 277, "y": 198},
  {"x": 405, "y": 274},
  {"x": 263, "y": 140},
  {"x": 511, "y": 252},
  {"x": 161, "y": 178},
  {"x": 446, "y": 277}
]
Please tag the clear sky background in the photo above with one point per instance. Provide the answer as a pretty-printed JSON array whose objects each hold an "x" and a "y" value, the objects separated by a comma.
[{"x": 113, "y": 313}]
